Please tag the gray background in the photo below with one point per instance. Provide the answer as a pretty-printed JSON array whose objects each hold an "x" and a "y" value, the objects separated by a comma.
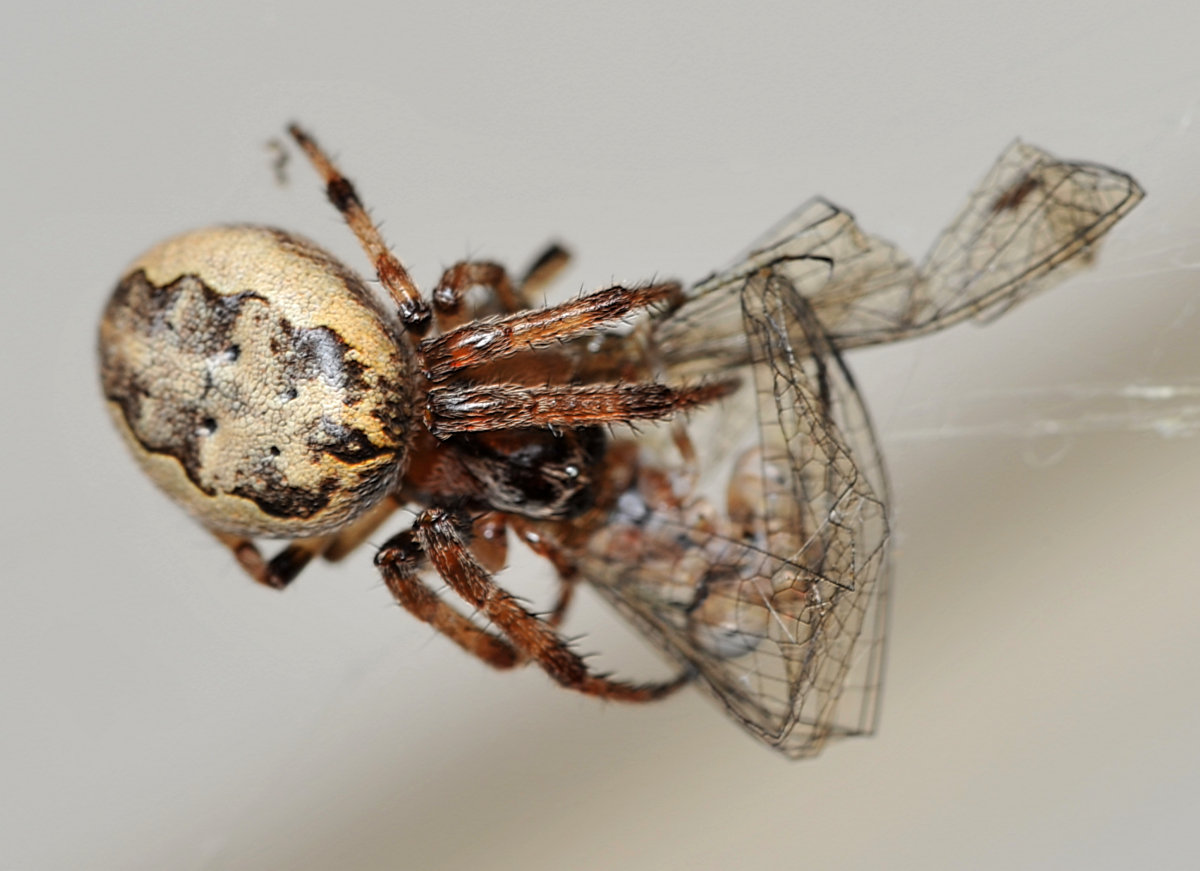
[{"x": 160, "y": 711}]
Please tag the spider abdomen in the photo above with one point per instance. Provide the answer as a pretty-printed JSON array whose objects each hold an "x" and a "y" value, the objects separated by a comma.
[{"x": 257, "y": 381}]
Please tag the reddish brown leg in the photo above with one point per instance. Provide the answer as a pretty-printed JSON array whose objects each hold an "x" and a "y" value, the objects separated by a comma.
[
  {"x": 503, "y": 296},
  {"x": 440, "y": 536},
  {"x": 512, "y": 406},
  {"x": 544, "y": 269},
  {"x": 399, "y": 561},
  {"x": 566, "y": 595},
  {"x": 414, "y": 311},
  {"x": 489, "y": 540},
  {"x": 568, "y": 574},
  {"x": 495, "y": 339},
  {"x": 459, "y": 279},
  {"x": 488, "y": 543},
  {"x": 347, "y": 540},
  {"x": 282, "y": 568}
]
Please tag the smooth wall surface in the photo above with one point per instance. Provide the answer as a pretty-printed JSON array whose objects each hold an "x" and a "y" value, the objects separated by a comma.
[{"x": 162, "y": 712}]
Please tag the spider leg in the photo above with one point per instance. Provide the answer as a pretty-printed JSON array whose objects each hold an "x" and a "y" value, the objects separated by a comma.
[
  {"x": 505, "y": 296},
  {"x": 568, "y": 574},
  {"x": 414, "y": 311},
  {"x": 456, "y": 281},
  {"x": 489, "y": 543},
  {"x": 348, "y": 538},
  {"x": 439, "y": 534},
  {"x": 566, "y": 595},
  {"x": 552, "y": 261},
  {"x": 399, "y": 561},
  {"x": 493, "y": 339},
  {"x": 513, "y": 406},
  {"x": 281, "y": 569},
  {"x": 489, "y": 540}
]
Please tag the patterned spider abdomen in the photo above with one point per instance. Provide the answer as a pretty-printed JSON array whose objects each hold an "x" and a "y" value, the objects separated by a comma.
[{"x": 257, "y": 381}]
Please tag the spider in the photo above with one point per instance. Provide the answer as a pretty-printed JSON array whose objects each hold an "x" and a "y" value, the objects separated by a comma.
[{"x": 260, "y": 383}]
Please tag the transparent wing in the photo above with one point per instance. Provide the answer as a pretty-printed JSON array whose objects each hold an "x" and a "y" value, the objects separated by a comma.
[
  {"x": 776, "y": 598},
  {"x": 1033, "y": 220}
]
